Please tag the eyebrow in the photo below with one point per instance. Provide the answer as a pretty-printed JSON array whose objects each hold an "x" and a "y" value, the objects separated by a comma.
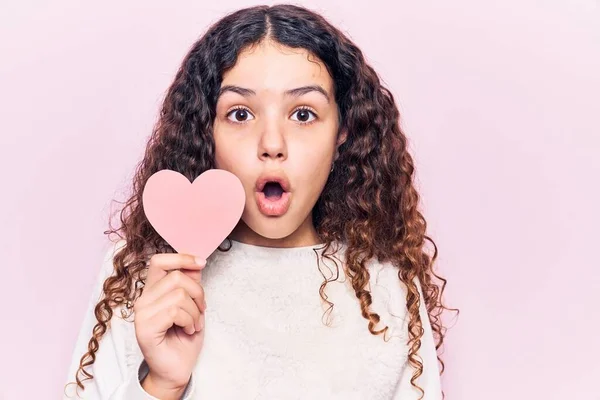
[{"x": 297, "y": 92}]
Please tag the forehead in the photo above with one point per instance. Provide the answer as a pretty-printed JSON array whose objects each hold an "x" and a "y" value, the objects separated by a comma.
[{"x": 271, "y": 67}]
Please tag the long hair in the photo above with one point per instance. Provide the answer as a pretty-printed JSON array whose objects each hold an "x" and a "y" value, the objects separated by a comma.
[{"x": 369, "y": 201}]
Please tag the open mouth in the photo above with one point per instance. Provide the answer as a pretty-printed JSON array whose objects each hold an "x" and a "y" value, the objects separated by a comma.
[
  {"x": 273, "y": 196},
  {"x": 273, "y": 190}
]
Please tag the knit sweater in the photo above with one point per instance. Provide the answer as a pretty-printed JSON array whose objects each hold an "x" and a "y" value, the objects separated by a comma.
[{"x": 267, "y": 335}]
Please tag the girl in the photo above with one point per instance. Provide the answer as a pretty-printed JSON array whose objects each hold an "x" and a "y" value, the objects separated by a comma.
[{"x": 324, "y": 289}]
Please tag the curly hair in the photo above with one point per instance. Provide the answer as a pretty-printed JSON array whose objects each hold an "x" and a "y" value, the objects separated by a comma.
[{"x": 369, "y": 201}]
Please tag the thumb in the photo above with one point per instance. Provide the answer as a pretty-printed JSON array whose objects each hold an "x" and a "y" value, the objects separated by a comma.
[{"x": 195, "y": 274}]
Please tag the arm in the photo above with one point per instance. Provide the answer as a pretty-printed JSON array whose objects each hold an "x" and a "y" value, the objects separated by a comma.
[
  {"x": 429, "y": 381},
  {"x": 113, "y": 378}
]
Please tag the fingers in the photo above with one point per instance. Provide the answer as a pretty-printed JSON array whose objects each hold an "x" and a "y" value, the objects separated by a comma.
[
  {"x": 172, "y": 294},
  {"x": 174, "y": 281},
  {"x": 173, "y": 315},
  {"x": 196, "y": 276},
  {"x": 162, "y": 263},
  {"x": 175, "y": 307}
]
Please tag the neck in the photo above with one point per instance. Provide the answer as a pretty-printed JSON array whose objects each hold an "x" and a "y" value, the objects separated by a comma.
[{"x": 305, "y": 235}]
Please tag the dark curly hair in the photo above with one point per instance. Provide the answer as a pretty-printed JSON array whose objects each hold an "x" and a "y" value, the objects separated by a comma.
[{"x": 369, "y": 201}]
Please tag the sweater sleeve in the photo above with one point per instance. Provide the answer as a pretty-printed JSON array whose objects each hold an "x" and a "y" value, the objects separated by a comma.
[
  {"x": 429, "y": 381},
  {"x": 115, "y": 377}
]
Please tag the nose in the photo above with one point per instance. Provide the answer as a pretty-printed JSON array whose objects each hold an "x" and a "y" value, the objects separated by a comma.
[{"x": 272, "y": 144}]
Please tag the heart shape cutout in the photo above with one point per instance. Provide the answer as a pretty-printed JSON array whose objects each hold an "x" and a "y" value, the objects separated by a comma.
[{"x": 194, "y": 218}]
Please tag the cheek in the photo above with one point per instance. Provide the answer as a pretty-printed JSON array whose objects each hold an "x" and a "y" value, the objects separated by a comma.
[
  {"x": 231, "y": 156},
  {"x": 317, "y": 160},
  {"x": 313, "y": 169},
  {"x": 225, "y": 153},
  {"x": 222, "y": 159},
  {"x": 224, "y": 147},
  {"x": 231, "y": 159}
]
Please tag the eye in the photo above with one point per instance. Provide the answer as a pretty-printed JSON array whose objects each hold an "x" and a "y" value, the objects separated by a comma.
[
  {"x": 304, "y": 115},
  {"x": 240, "y": 114}
]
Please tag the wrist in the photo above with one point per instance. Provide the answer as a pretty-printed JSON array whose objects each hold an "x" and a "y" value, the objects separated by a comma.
[{"x": 160, "y": 389}]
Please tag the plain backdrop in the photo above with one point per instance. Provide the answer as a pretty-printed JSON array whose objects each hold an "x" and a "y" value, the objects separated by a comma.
[{"x": 499, "y": 100}]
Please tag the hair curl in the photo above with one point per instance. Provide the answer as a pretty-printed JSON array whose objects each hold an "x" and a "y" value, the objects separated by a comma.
[{"x": 369, "y": 202}]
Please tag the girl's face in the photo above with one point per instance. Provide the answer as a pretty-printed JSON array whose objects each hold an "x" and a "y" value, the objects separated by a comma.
[{"x": 277, "y": 120}]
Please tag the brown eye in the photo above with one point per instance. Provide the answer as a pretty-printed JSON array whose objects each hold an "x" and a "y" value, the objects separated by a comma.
[
  {"x": 304, "y": 115},
  {"x": 240, "y": 115}
]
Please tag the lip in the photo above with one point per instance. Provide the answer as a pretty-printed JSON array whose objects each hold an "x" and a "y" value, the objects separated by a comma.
[
  {"x": 272, "y": 177},
  {"x": 273, "y": 208}
]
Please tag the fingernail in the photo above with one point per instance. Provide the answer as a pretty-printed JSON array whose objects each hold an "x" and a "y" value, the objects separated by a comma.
[{"x": 200, "y": 261}]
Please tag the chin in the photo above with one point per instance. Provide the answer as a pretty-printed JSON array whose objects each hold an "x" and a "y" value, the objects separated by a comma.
[{"x": 271, "y": 228}]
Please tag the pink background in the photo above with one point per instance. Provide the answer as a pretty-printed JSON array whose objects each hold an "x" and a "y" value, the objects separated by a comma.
[{"x": 499, "y": 98}]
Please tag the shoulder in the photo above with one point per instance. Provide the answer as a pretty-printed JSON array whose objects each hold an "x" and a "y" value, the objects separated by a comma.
[
  {"x": 110, "y": 251},
  {"x": 388, "y": 294},
  {"x": 107, "y": 265},
  {"x": 384, "y": 280},
  {"x": 107, "y": 268},
  {"x": 385, "y": 276}
]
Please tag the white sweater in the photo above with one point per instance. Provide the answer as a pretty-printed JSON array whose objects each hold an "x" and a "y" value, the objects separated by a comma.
[{"x": 265, "y": 337}]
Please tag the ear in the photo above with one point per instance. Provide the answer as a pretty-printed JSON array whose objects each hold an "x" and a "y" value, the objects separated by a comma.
[
  {"x": 342, "y": 137},
  {"x": 340, "y": 140}
]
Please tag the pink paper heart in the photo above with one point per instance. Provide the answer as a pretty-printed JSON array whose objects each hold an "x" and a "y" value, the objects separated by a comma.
[{"x": 194, "y": 218}]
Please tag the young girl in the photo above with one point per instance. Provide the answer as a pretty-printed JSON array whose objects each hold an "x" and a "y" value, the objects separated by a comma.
[{"x": 324, "y": 289}]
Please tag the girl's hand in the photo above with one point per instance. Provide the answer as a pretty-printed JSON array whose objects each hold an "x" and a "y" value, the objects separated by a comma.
[{"x": 169, "y": 320}]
